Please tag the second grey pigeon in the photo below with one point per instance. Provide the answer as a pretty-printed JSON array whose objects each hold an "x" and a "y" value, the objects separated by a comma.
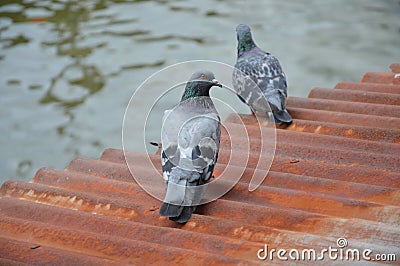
[
  {"x": 265, "y": 71},
  {"x": 190, "y": 144}
]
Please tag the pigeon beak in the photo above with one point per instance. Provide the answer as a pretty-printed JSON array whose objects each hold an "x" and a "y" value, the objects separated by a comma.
[{"x": 216, "y": 83}]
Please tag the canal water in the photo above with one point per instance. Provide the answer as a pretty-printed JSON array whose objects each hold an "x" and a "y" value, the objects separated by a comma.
[{"x": 68, "y": 68}]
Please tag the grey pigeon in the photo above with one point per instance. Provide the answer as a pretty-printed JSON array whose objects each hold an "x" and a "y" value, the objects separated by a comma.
[
  {"x": 190, "y": 143},
  {"x": 265, "y": 71}
]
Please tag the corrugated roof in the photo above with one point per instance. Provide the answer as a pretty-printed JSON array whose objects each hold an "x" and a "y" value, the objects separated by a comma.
[{"x": 335, "y": 175}]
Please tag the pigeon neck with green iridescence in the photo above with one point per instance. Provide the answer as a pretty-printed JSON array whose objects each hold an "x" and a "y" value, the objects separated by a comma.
[
  {"x": 194, "y": 90},
  {"x": 245, "y": 43}
]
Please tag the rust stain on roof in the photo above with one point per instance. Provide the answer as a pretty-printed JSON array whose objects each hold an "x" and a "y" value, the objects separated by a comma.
[{"x": 336, "y": 173}]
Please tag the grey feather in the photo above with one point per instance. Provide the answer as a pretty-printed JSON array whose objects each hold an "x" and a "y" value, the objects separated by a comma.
[
  {"x": 255, "y": 67},
  {"x": 190, "y": 142}
]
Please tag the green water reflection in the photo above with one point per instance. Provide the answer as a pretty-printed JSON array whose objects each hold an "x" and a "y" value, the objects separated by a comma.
[{"x": 68, "y": 68}]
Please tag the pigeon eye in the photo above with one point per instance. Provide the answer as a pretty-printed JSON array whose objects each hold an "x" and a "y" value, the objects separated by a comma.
[{"x": 202, "y": 76}]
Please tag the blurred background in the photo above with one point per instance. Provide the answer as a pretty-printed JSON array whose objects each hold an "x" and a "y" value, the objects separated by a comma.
[{"x": 68, "y": 68}]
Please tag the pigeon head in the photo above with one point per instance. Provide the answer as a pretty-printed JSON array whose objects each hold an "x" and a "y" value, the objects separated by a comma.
[
  {"x": 200, "y": 84},
  {"x": 245, "y": 41}
]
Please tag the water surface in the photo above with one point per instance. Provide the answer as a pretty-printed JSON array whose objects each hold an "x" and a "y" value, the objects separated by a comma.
[{"x": 68, "y": 68}]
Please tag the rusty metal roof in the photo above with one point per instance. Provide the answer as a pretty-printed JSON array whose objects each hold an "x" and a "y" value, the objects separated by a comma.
[{"x": 335, "y": 175}]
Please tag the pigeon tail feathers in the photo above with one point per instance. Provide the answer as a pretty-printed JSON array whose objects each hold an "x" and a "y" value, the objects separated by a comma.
[
  {"x": 170, "y": 210},
  {"x": 185, "y": 215},
  {"x": 282, "y": 116},
  {"x": 275, "y": 102},
  {"x": 174, "y": 199},
  {"x": 179, "y": 214},
  {"x": 182, "y": 197}
]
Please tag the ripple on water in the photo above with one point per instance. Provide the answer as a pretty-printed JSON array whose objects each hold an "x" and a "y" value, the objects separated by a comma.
[{"x": 68, "y": 68}]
